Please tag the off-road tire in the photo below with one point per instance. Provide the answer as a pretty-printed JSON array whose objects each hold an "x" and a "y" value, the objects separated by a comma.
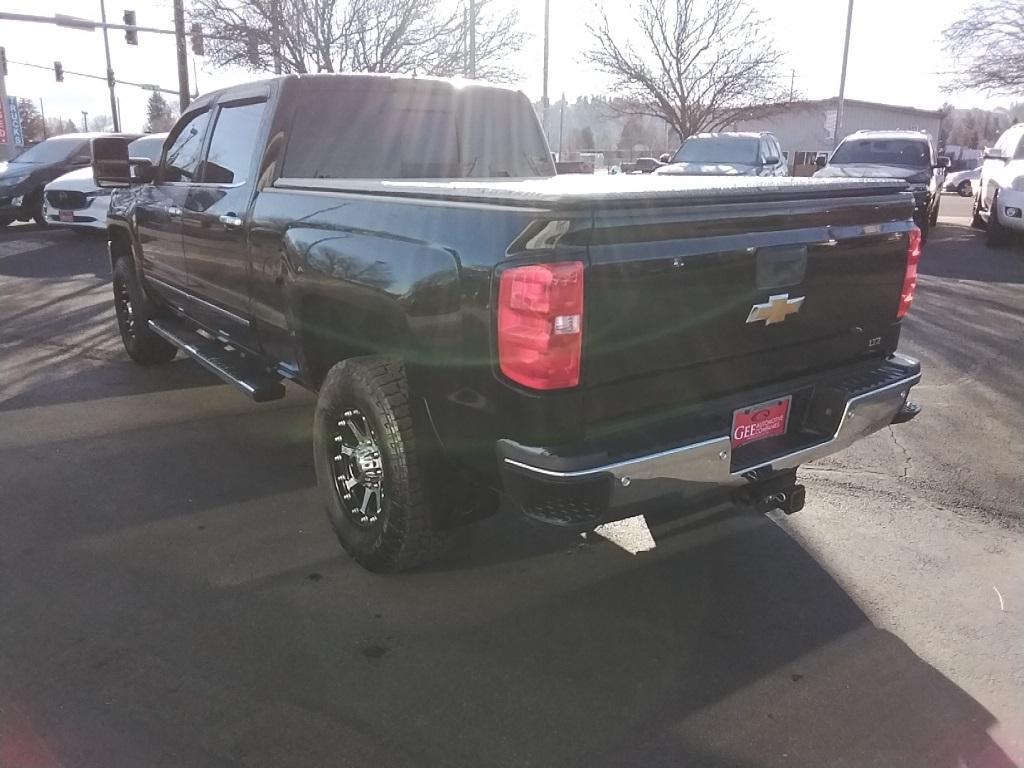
[
  {"x": 404, "y": 535},
  {"x": 997, "y": 235},
  {"x": 133, "y": 310}
]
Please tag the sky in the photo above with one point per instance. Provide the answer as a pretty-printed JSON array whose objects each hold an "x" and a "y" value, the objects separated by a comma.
[{"x": 895, "y": 52}]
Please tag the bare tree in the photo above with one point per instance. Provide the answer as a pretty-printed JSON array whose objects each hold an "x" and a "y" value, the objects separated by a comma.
[
  {"x": 697, "y": 64},
  {"x": 987, "y": 43},
  {"x": 100, "y": 123},
  {"x": 422, "y": 36}
]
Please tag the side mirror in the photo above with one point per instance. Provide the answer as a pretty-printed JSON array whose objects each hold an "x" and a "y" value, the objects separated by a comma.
[
  {"x": 994, "y": 153},
  {"x": 820, "y": 161},
  {"x": 942, "y": 162},
  {"x": 110, "y": 165},
  {"x": 771, "y": 160},
  {"x": 665, "y": 157},
  {"x": 142, "y": 170}
]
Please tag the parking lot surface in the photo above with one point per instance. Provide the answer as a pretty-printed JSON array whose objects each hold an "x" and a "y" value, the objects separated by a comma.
[{"x": 171, "y": 593}]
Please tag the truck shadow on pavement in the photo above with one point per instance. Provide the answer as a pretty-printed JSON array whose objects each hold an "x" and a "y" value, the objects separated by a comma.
[{"x": 195, "y": 610}]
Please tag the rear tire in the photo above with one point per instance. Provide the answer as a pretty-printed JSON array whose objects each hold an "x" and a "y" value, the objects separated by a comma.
[
  {"x": 133, "y": 312},
  {"x": 997, "y": 235},
  {"x": 369, "y": 467}
]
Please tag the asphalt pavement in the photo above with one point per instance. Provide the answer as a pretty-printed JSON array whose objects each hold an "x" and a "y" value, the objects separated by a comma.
[{"x": 171, "y": 593}]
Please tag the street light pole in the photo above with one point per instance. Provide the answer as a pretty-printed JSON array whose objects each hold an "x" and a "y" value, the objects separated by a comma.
[
  {"x": 842, "y": 78},
  {"x": 110, "y": 70}
]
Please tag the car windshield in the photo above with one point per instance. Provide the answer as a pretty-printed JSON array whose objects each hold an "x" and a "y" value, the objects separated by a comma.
[
  {"x": 718, "y": 149},
  {"x": 51, "y": 151},
  {"x": 148, "y": 147},
  {"x": 910, "y": 152}
]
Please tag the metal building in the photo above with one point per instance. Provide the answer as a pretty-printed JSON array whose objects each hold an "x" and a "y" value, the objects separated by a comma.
[{"x": 806, "y": 129}]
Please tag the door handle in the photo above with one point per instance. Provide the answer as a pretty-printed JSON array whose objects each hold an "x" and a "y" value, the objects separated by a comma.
[
  {"x": 174, "y": 211},
  {"x": 230, "y": 221}
]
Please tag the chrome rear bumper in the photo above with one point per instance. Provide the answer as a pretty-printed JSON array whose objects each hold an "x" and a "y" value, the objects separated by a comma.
[{"x": 706, "y": 464}]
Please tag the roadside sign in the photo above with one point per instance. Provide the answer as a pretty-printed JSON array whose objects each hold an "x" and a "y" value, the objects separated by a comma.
[{"x": 17, "y": 132}]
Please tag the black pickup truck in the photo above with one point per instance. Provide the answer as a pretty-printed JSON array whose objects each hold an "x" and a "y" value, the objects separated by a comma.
[{"x": 475, "y": 325}]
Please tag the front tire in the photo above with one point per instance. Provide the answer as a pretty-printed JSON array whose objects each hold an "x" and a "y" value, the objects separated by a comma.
[
  {"x": 133, "y": 312},
  {"x": 997, "y": 234},
  {"x": 38, "y": 211},
  {"x": 964, "y": 189},
  {"x": 369, "y": 467},
  {"x": 976, "y": 221}
]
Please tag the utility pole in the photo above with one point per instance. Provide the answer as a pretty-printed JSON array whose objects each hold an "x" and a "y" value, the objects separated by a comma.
[
  {"x": 275, "y": 31},
  {"x": 792, "y": 83},
  {"x": 179, "y": 38},
  {"x": 472, "y": 39},
  {"x": 42, "y": 115},
  {"x": 842, "y": 78},
  {"x": 110, "y": 70},
  {"x": 85, "y": 121},
  {"x": 544, "y": 98}
]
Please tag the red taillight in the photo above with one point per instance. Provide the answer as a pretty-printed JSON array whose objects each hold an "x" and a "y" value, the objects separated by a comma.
[
  {"x": 540, "y": 324},
  {"x": 910, "y": 276}
]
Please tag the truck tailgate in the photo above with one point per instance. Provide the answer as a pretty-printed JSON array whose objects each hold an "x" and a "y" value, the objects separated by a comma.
[{"x": 687, "y": 302}]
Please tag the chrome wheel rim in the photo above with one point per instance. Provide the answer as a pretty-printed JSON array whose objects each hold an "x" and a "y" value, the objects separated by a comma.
[
  {"x": 125, "y": 310},
  {"x": 358, "y": 468}
]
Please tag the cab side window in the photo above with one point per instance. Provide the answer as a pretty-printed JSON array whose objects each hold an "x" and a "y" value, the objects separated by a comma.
[
  {"x": 235, "y": 133},
  {"x": 182, "y": 161}
]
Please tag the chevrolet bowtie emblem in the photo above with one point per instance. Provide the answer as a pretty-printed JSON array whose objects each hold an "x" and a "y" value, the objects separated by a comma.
[{"x": 775, "y": 310}]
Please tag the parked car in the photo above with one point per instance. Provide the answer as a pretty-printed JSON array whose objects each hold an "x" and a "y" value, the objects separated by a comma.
[
  {"x": 999, "y": 203},
  {"x": 641, "y": 165},
  {"x": 906, "y": 155},
  {"x": 474, "y": 324},
  {"x": 962, "y": 182},
  {"x": 727, "y": 154},
  {"x": 73, "y": 200},
  {"x": 22, "y": 179}
]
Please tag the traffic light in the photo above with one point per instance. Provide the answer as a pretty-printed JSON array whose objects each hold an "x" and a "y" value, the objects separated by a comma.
[
  {"x": 58, "y": 71},
  {"x": 197, "y": 39},
  {"x": 3, "y": 60},
  {"x": 131, "y": 36},
  {"x": 252, "y": 48}
]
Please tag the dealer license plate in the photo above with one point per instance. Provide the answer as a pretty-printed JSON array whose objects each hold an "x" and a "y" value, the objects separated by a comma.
[
  {"x": 68, "y": 216},
  {"x": 757, "y": 422}
]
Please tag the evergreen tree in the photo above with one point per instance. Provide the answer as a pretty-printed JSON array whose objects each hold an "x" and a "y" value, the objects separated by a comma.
[{"x": 159, "y": 117}]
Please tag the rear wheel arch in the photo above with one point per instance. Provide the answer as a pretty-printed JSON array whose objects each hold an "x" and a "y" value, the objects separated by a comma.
[{"x": 330, "y": 331}]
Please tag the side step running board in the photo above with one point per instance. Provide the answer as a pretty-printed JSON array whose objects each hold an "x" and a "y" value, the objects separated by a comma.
[{"x": 258, "y": 383}]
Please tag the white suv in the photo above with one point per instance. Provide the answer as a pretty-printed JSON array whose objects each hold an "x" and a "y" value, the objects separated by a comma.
[{"x": 999, "y": 204}]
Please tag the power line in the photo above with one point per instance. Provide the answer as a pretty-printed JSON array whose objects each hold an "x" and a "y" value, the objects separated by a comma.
[{"x": 143, "y": 86}]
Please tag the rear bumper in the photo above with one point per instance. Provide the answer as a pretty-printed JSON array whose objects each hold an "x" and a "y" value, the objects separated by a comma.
[{"x": 559, "y": 487}]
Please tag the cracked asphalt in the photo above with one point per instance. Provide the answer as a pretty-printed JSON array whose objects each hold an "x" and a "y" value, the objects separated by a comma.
[{"x": 171, "y": 594}]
